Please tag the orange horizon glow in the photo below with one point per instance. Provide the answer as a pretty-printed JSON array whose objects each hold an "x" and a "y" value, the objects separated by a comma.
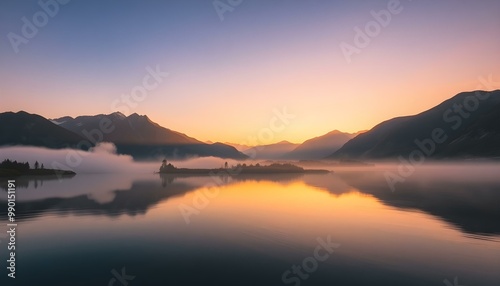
[{"x": 225, "y": 79}]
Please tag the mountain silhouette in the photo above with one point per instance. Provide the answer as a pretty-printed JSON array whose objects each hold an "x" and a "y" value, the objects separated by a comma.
[
  {"x": 473, "y": 133},
  {"x": 23, "y": 128},
  {"x": 134, "y": 129},
  {"x": 320, "y": 147},
  {"x": 142, "y": 138},
  {"x": 270, "y": 151},
  {"x": 134, "y": 135}
]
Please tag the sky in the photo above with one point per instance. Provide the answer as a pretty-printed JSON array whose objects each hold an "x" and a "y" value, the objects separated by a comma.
[{"x": 223, "y": 75}]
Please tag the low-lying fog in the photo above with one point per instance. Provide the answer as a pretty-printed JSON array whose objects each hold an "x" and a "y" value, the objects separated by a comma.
[{"x": 103, "y": 159}]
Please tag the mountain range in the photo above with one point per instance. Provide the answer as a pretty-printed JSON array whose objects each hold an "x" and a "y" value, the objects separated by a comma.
[
  {"x": 270, "y": 151},
  {"x": 134, "y": 135},
  {"x": 132, "y": 129},
  {"x": 319, "y": 147},
  {"x": 316, "y": 148},
  {"x": 465, "y": 126},
  {"x": 22, "y": 128}
]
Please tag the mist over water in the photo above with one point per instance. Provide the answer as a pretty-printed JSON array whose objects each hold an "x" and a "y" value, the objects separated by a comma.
[
  {"x": 406, "y": 236},
  {"x": 443, "y": 170},
  {"x": 104, "y": 159},
  {"x": 101, "y": 159}
]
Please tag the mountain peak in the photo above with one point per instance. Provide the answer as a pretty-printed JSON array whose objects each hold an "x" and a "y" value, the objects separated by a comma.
[
  {"x": 137, "y": 116},
  {"x": 333, "y": 132},
  {"x": 118, "y": 114},
  {"x": 396, "y": 137}
]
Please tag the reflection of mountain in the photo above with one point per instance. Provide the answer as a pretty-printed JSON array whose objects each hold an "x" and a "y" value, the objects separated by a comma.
[
  {"x": 471, "y": 206},
  {"x": 137, "y": 200},
  {"x": 142, "y": 195},
  {"x": 471, "y": 126}
]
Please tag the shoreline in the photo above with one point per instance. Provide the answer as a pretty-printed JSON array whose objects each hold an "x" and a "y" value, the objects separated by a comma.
[{"x": 233, "y": 172}]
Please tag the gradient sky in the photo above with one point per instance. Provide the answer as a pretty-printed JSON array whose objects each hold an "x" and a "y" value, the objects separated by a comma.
[{"x": 226, "y": 77}]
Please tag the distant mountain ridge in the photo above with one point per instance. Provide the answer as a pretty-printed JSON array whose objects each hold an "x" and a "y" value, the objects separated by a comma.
[
  {"x": 139, "y": 136},
  {"x": 270, "y": 151},
  {"x": 22, "y": 128},
  {"x": 469, "y": 124},
  {"x": 132, "y": 129},
  {"x": 466, "y": 126},
  {"x": 134, "y": 135},
  {"x": 312, "y": 149},
  {"x": 321, "y": 146}
]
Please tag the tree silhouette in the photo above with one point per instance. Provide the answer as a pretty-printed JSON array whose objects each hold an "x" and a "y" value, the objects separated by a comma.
[
  {"x": 36, "y": 165},
  {"x": 8, "y": 164}
]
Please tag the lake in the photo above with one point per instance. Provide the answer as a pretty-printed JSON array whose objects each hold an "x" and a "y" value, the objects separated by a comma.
[{"x": 344, "y": 228}]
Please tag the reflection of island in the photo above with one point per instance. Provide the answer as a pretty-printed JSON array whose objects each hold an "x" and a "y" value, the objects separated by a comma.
[
  {"x": 223, "y": 179},
  {"x": 240, "y": 169},
  {"x": 471, "y": 207},
  {"x": 137, "y": 199},
  {"x": 141, "y": 196},
  {"x": 23, "y": 182},
  {"x": 10, "y": 168}
]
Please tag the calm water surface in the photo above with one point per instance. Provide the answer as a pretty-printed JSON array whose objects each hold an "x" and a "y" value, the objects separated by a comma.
[{"x": 251, "y": 230}]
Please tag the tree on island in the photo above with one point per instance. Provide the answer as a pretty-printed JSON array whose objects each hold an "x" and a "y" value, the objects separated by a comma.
[
  {"x": 14, "y": 165},
  {"x": 14, "y": 168},
  {"x": 165, "y": 167}
]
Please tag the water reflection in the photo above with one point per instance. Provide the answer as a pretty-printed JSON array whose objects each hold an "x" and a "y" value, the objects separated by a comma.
[
  {"x": 24, "y": 182},
  {"x": 470, "y": 206},
  {"x": 256, "y": 228}
]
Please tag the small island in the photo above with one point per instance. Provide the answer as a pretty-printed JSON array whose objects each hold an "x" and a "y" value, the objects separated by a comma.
[
  {"x": 9, "y": 168},
  {"x": 275, "y": 168}
]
